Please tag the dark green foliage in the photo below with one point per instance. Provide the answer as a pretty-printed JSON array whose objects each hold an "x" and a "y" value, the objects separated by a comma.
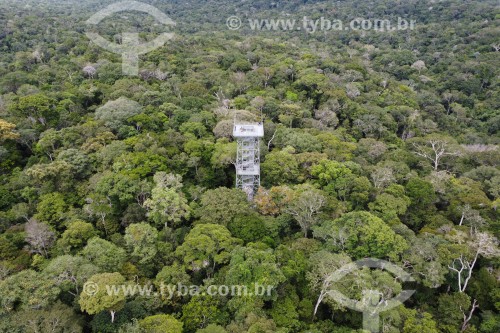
[
  {"x": 377, "y": 144},
  {"x": 6, "y": 198},
  {"x": 222, "y": 205},
  {"x": 202, "y": 311},
  {"x": 249, "y": 228}
]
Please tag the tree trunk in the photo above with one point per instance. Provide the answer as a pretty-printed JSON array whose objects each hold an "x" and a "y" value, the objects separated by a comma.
[
  {"x": 465, "y": 324},
  {"x": 462, "y": 218},
  {"x": 318, "y": 302}
]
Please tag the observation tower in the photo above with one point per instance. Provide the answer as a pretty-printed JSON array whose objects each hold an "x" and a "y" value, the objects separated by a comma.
[{"x": 247, "y": 136}]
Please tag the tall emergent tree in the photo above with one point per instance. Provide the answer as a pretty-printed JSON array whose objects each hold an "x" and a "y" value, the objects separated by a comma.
[
  {"x": 96, "y": 296},
  {"x": 167, "y": 202}
]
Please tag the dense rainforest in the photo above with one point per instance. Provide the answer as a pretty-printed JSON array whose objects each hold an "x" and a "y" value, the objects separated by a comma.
[{"x": 377, "y": 144}]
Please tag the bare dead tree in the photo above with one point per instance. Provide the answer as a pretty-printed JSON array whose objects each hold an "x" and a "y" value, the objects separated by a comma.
[
  {"x": 434, "y": 149},
  {"x": 269, "y": 142},
  {"x": 472, "y": 217},
  {"x": 305, "y": 208},
  {"x": 90, "y": 71},
  {"x": 468, "y": 317},
  {"x": 39, "y": 236},
  {"x": 482, "y": 244},
  {"x": 220, "y": 97},
  {"x": 382, "y": 177}
]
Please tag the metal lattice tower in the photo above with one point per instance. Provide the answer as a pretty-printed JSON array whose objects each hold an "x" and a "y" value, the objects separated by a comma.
[{"x": 248, "y": 156}]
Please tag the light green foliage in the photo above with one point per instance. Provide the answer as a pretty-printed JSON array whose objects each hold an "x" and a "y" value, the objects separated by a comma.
[
  {"x": 305, "y": 206},
  {"x": 142, "y": 163},
  {"x": 390, "y": 204},
  {"x": 70, "y": 272},
  {"x": 167, "y": 202},
  {"x": 327, "y": 172},
  {"x": 222, "y": 205},
  {"x": 418, "y": 322},
  {"x": 49, "y": 142},
  {"x": 141, "y": 240},
  {"x": 195, "y": 129},
  {"x": 26, "y": 290},
  {"x": 280, "y": 167},
  {"x": 76, "y": 236},
  {"x": 104, "y": 254},
  {"x": 211, "y": 328},
  {"x": 376, "y": 144},
  {"x": 224, "y": 153},
  {"x": 121, "y": 187},
  {"x": 205, "y": 246},
  {"x": 202, "y": 311},
  {"x": 102, "y": 300},
  {"x": 59, "y": 318},
  {"x": 465, "y": 191},
  {"x": 54, "y": 175},
  {"x": 339, "y": 180},
  {"x": 491, "y": 322},
  {"x": 361, "y": 234},
  {"x": 335, "y": 148},
  {"x": 289, "y": 113},
  {"x": 52, "y": 209},
  {"x": 171, "y": 275},
  {"x": 161, "y": 324},
  {"x": 251, "y": 265},
  {"x": 114, "y": 113},
  {"x": 450, "y": 311},
  {"x": 37, "y": 107}
]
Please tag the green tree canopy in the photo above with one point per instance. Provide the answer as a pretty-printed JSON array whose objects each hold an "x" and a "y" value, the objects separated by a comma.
[
  {"x": 161, "y": 323},
  {"x": 222, "y": 205},
  {"x": 95, "y": 302},
  {"x": 205, "y": 246},
  {"x": 104, "y": 254},
  {"x": 361, "y": 234},
  {"x": 167, "y": 202}
]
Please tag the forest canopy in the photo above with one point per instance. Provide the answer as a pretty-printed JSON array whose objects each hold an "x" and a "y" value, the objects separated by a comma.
[{"x": 377, "y": 144}]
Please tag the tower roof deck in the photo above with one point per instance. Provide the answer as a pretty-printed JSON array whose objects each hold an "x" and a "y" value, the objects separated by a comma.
[{"x": 248, "y": 130}]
